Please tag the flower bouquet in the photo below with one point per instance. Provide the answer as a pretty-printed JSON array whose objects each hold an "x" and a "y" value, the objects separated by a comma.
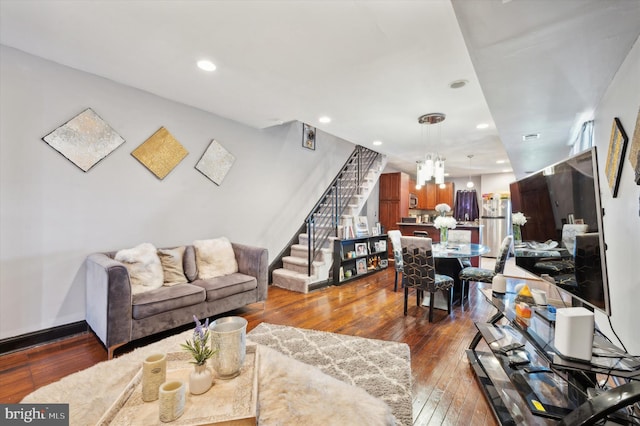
[
  {"x": 443, "y": 209},
  {"x": 444, "y": 223},
  {"x": 518, "y": 220}
]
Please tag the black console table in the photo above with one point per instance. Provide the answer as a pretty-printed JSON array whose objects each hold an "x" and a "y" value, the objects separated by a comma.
[{"x": 534, "y": 385}]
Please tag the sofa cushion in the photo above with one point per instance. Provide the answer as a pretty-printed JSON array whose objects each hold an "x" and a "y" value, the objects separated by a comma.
[
  {"x": 144, "y": 267},
  {"x": 166, "y": 299},
  {"x": 172, "y": 266},
  {"x": 189, "y": 263},
  {"x": 228, "y": 285},
  {"x": 215, "y": 258}
]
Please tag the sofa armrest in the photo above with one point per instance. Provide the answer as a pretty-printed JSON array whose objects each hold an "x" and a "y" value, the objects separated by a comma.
[
  {"x": 254, "y": 261},
  {"x": 108, "y": 300}
]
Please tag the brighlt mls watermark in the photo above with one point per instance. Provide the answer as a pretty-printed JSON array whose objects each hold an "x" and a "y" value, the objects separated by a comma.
[{"x": 34, "y": 414}]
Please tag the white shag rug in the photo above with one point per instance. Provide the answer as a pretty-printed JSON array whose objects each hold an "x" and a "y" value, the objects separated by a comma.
[
  {"x": 380, "y": 367},
  {"x": 290, "y": 392}
]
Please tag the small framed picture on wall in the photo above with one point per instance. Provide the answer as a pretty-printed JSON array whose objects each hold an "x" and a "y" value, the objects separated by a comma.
[{"x": 308, "y": 136}]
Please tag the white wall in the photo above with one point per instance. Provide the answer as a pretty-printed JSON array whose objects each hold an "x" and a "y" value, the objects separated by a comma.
[
  {"x": 52, "y": 215},
  {"x": 622, "y": 214},
  {"x": 496, "y": 182}
]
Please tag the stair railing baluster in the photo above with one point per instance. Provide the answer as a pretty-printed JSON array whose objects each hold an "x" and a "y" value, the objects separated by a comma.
[{"x": 355, "y": 165}]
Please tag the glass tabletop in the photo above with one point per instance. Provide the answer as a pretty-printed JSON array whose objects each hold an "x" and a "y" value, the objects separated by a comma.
[{"x": 458, "y": 250}]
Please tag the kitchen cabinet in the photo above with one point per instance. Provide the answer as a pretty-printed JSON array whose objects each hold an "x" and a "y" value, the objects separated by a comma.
[
  {"x": 394, "y": 199},
  {"x": 445, "y": 195},
  {"x": 431, "y": 195}
]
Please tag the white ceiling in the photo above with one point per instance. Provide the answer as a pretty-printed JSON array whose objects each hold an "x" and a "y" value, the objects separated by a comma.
[{"x": 533, "y": 66}]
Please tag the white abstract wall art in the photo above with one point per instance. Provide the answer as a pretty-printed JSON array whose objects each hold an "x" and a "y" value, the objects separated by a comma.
[
  {"x": 216, "y": 162},
  {"x": 84, "y": 140}
]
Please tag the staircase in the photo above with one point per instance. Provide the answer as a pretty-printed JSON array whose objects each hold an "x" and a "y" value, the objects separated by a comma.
[{"x": 309, "y": 264}]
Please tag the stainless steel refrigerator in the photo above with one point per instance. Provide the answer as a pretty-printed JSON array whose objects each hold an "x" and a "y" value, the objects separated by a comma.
[{"x": 496, "y": 218}]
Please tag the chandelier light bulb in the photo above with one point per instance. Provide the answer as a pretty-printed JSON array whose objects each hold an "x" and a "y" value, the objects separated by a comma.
[
  {"x": 470, "y": 182},
  {"x": 439, "y": 170}
]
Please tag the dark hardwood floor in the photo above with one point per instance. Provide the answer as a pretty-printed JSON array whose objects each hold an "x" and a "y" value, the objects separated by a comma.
[{"x": 445, "y": 390}]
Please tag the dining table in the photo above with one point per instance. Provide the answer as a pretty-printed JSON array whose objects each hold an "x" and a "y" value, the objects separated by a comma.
[{"x": 448, "y": 260}]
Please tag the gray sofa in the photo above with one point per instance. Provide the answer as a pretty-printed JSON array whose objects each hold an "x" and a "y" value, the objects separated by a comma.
[{"x": 117, "y": 316}]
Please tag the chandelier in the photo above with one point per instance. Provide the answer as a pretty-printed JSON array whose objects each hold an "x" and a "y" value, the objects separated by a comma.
[{"x": 433, "y": 164}]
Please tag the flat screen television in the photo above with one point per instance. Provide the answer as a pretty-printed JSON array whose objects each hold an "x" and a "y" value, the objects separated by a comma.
[{"x": 562, "y": 206}]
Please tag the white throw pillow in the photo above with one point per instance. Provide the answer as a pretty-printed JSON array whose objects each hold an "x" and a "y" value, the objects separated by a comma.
[
  {"x": 215, "y": 258},
  {"x": 144, "y": 267}
]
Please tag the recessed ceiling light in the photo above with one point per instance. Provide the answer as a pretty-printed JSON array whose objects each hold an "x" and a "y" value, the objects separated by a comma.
[
  {"x": 500, "y": 161},
  {"x": 324, "y": 119},
  {"x": 206, "y": 65},
  {"x": 506, "y": 170},
  {"x": 482, "y": 126},
  {"x": 458, "y": 84},
  {"x": 531, "y": 137},
  {"x": 377, "y": 143}
]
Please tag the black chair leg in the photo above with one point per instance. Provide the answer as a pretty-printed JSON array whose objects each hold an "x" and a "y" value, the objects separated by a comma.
[
  {"x": 431, "y": 299},
  {"x": 395, "y": 284},
  {"x": 463, "y": 287},
  {"x": 406, "y": 299},
  {"x": 449, "y": 300}
]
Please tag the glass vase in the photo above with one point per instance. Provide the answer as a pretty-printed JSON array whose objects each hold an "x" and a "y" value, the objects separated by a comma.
[
  {"x": 444, "y": 236},
  {"x": 517, "y": 234}
]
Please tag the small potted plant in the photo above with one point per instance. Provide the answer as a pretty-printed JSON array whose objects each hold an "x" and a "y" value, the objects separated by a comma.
[{"x": 201, "y": 378}]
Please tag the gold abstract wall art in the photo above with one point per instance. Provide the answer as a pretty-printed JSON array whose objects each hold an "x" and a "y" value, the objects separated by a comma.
[
  {"x": 161, "y": 153},
  {"x": 216, "y": 162},
  {"x": 84, "y": 140}
]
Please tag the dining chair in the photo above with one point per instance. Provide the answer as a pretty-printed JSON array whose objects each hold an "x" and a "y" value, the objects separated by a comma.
[
  {"x": 457, "y": 236},
  {"x": 420, "y": 273},
  {"x": 483, "y": 275},
  {"x": 396, "y": 246}
]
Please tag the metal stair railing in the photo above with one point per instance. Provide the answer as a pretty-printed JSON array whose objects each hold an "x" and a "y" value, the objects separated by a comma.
[{"x": 324, "y": 218}]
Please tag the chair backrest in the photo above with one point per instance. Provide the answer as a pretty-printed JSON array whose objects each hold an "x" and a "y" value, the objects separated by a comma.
[
  {"x": 503, "y": 254},
  {"x": 459, "y": 236},
  {"x": 419, "y": 269},
  {"x": 569, "y": 232},
  {"x": 396, "y": 246}
]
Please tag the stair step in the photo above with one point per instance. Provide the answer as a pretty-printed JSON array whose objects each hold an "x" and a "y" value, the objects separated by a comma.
[
  {"x": 302, "y": 250},
  {"x": 300, "y": 265},
  {"x": 292, "y": 280}
]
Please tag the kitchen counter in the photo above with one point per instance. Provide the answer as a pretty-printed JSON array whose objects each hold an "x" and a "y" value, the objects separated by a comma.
[{"x": 469, "y": 225}]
